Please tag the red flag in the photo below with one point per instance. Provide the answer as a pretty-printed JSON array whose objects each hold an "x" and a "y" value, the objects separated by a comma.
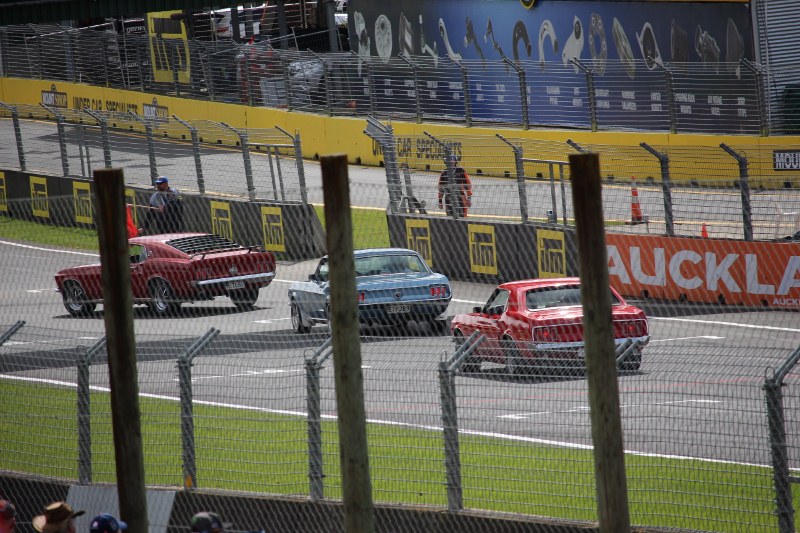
[{"x": 132, "y": 231}]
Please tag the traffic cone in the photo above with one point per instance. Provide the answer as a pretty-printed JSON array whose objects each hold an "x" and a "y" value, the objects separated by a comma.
[
  {"x": 636, "y": 208},
  {"x": 704, "y": 231}
]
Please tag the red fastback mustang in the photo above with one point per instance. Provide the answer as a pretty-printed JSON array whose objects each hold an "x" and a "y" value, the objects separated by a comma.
[
  {"x": 539, "y": 323},
  {"x": 167, "y": 270}
]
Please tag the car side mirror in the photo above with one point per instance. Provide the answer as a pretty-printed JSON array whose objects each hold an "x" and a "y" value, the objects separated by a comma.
[
  {"x": 312, "y": 277},
  {"x": 477, "y": 309}
]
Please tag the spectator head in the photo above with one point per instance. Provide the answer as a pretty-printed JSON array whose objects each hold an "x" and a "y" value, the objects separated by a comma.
[
  {"x": 8, "y": 516},
  {"x": 57, "y": 518},
  {"x": 106, "y": 523},
  {"x": 162, "y": 183},
  {"x": 207, "y": 522}
]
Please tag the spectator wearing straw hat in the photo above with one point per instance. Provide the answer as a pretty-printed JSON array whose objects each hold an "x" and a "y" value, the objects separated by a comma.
[
  {"x": 8, "y": 517},
  {"x": 58, "y": 517}
]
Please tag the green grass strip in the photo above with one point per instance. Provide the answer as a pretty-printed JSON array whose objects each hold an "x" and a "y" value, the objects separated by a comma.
[{"x": 255, "y": 451}]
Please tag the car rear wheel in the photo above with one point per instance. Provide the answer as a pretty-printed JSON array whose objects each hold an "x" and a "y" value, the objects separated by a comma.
[
  {"x": 298, "y": 326},
  {"x": 75, "y": 299},
  {"x": 162, "y": 299},
  {"x": 515, "y": 363},
  {"x": 470, "y": 364},
  {"x": 244, "y": 299}
]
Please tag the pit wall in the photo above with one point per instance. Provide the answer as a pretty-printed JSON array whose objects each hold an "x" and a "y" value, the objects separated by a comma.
[{"x": 322, "y": 135}]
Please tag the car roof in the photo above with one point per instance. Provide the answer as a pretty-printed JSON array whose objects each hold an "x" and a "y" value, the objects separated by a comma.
[
  {"x": 539, "y": 283},
  {"x": 367, "y": 252},
  {"x": 162, "y": 238}
]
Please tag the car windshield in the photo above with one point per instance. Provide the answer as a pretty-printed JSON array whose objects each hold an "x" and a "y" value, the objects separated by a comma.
[
  {"x": 562, "y": 296},
  {"x": 389, "y": 264}
]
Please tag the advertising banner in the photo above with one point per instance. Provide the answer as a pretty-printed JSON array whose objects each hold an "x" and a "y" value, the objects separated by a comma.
[
  {"x": 706, "y": 270},
  {"x": 627, "y": 45}
]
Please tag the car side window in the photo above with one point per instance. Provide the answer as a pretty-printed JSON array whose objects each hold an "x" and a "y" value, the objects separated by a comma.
[
  {"x": 497, "y": 302},
  {"x": 137, "y": 253}
]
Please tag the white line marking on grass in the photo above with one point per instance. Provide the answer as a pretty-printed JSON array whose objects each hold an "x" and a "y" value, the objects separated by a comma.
[
  {"x": 709, "y": 337},
  {"x": 29, "y": 247},
  {"x": 515, "y": 438}
]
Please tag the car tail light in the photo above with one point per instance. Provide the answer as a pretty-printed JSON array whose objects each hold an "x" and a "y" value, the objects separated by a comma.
[
  {"x": 546, "y": 334},
  {"x": 362, "y": 297},
  {"x": 438, "y": 291}
]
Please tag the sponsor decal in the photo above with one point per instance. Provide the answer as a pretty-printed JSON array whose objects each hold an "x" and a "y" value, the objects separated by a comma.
[
  {"x": 552, "y": 253},
  {"x": 156, "y": 113},
  {"x": 221, "y": 222},
  {"x": 482, "y": 249},
  {"x": 418, "y": 237},
  {"x": 786, "y": 159},
  {"x": 169, "y": 47},
  {"x": 706, "y": 270},
  {"x": 272, "y": 229},
  {"x": 40, "y": 204},
  {"x": 53, "y": 98},
  {"x": 3, "y": 193},
  {"x": 82, "y": 201}
]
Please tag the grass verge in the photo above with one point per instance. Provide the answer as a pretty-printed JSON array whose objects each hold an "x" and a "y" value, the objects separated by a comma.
[{"x": 254, "y": 451}]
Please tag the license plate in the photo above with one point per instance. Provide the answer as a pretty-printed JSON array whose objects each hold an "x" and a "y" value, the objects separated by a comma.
[
  {"x": 392, "y": 309},
  {"x": 234, "y": 285}
]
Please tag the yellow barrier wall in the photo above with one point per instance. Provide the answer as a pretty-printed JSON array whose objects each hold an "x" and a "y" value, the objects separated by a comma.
[{"x": 326, "y": 135}]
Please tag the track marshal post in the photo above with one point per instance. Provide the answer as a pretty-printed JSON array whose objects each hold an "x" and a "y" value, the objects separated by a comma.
[
  {"x": 109, "y": 187},
  {"x": 601, "y": 368}
]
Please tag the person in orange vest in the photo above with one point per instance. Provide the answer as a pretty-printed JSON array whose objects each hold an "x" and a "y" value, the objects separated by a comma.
[{"x": 463, "y": 187}]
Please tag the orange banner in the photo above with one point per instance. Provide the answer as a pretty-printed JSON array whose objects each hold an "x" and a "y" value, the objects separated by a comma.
[{"x": 706, "y": 270}]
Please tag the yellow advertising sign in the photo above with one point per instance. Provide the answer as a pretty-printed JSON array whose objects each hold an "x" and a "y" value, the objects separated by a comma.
[
  {"x": 418, "y": 237},
  {"x": 82, "y": 201},
  {"x": 482, "y": 249},
  {"x": 40, "y": 204},
  {"x": 169, "y": 47},
  {"x": 3, "y": 193},
  {"x": 272, "y": 229},
  {"x": 221, "y": 222},
  {"x": 552, "y": 253}
]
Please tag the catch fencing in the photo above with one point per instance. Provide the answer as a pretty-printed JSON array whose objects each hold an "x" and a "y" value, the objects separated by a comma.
[
  {"x": 584, "y": 94},
  {"x": 722, "y": 192},
  {"x": 256, "y": 413}
]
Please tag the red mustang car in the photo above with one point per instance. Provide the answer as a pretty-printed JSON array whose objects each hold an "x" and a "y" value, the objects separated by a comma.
[
  {"x": 167, "y": 270},
  {"x": 539, "y": 322}
]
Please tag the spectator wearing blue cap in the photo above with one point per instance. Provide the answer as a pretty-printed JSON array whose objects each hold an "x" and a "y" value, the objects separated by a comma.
[
  {"x": 208, "y": 522},
  {"x": 106, "y": 523},
  {"x": 166, "y": 208}
]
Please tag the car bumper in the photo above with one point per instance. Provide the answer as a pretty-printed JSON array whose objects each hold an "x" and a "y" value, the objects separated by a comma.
[
  {"x": 573, "y": 347},
  {"x": 392, "y": 312},
  {"x": 260, "y": 279}
]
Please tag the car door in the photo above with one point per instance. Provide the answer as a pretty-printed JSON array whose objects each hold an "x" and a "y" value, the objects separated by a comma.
[
  {"x": 314, "y": 297},
  {"x": 487, "y": 322}
]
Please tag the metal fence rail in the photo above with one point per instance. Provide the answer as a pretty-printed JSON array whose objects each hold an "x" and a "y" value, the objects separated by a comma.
[{"x": 519, "y": 92}]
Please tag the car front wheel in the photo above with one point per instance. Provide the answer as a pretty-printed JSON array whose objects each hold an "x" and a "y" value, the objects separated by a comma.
[
  {"x": 298, "y": 326},
  {"x": 515, "y": 363},
  {"x": 162, "y": 299},
  {"x": 75, "y": 299}
]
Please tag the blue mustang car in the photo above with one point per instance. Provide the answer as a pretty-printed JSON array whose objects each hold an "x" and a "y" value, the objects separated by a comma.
[{"x": 394, "y": 286}]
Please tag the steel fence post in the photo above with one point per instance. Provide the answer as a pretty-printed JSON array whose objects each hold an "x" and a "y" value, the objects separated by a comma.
[
  {"x": 286, "y": 81},
  {"x": 3, "y": 52},
  {"x": 62, "y": 139},
  {"x": 589, "y": 72},
  {"x": 198, "y": 162},
  {"x": 415, "y": 77},
  {"x": 523, "y": 91},
  {"x": 520, "y": 170},
  {"x": 151, "y": 148},
  {"x": 452, "y": 454},
  {"x": 140, "y": 72},
  {"x": 85, "y": 357},
  {"x": 666, "y": 188},
  {"x": 316, "y": 474},
  {"x": 70, "y": 53},
  {"x": 779, "y": 455},
  {"x": 758, "y": 74},
  {"x": 103, "y": 135},
  {"x": 17, "y": 133},
  {"x": 467, "y": 99},
  {"x": 298, "y": 157},
  {"x": 248, "y": 167},
  {"x": 670, "y": 86},
  {"x": 384, "y": 135},
  {"x": 11, "y": 331},
  {"x": 370, "y": 88},
  {"x": 744, "y": 188},
  {"x": 38, "y": 50},
  {"x": 173, "y": 59}
]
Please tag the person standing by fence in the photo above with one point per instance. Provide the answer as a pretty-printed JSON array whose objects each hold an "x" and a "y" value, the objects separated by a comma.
[
  {"x": 462, "y": 193},
  {"x": 8, "y": 517},
  {"x": 166, "y": 209}
]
